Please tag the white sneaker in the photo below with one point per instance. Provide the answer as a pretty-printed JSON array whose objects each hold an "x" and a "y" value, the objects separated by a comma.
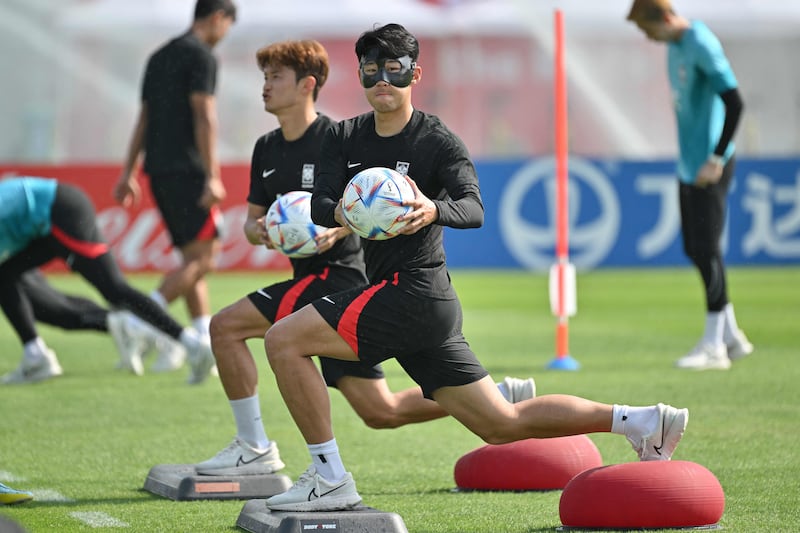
[
  {"x": 201, "y": 359},
  {"x": 240, "y": 459},
  {"x": 313, "y": 493},
  {"x": 130, "y": 342},
  {"x": 738, "y": 346},
  {"x": 661, "y": 443},
  {"x": 705, "y": 356},
  {"x": 33, "y": 371},
  {"x": 520, "y": 389},
  {"x": 171, "y": 355}
]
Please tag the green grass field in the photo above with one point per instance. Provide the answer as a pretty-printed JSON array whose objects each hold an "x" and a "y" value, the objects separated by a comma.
[{"x": 84, "y": 443}]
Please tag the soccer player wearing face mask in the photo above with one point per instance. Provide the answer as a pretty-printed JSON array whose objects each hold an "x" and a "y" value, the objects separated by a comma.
[{"x": 410, "y": 311}]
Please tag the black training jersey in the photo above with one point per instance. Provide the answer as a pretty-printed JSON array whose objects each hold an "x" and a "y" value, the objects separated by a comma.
[
  {"x": 279, "y": 166},
  {"x": 183, "y": 66},
  {"x": 437, "y": 160}
]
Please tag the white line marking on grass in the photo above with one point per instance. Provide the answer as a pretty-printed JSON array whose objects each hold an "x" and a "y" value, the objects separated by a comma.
[
  {"x": 49, "y": 495},
  {"x": 8, "y": 476},
  {"x": 98, "y": 519}
]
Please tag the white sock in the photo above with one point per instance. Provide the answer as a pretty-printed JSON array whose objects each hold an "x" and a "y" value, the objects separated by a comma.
[
  {"x": 190, "y": 338},
  {"x": 633, "y": 421},
  {"x": 34, "y": 350},
  {"x": 326, "y": 458},
  {"x": 158, "y": 298},
  {"x": 201, "y": 324},
  {"x": 714, "y": 325},
  {"x": 249, "y": 426},
  {"x": 731, "y": 327}
]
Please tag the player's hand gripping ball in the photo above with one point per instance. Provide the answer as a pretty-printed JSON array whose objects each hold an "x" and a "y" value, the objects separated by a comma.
[
  {"x": 373, "y": 200},
  {"x": 289, "y": 225}
]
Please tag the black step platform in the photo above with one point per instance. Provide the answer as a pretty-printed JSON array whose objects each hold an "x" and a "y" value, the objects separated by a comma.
[
  {"x": 256, "y": 518},
  {"x": 182, "y": 482}
]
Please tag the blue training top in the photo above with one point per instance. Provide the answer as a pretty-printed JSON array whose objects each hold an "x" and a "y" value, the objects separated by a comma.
[
  {"x": 698, "y": 73},
  {"x": 25, "y": 204}
]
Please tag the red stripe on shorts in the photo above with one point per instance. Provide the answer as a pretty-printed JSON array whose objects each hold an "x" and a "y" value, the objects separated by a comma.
[
  {"x": 348, "y": 324},
  {"x": 209, "y": 229},
  {"x": 289, "y": 299},
  {"x": 92, "y": 250}
]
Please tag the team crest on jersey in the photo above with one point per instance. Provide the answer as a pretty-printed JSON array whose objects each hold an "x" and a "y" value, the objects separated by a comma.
[
  {"x": 307, "y": 178},
  {"x": 402, "y": 167}
]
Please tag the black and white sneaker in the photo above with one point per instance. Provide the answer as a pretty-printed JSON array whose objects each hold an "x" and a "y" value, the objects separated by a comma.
[{"x": 661, "y": 443}]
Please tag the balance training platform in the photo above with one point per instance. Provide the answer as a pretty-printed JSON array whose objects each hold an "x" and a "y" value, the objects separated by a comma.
[
  {"x": 257, "y": 518},
  {"x": 182, "y": 482}
]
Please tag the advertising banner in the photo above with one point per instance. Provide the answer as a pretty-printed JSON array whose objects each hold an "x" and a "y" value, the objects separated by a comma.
[{"x": 621, "y": 214}]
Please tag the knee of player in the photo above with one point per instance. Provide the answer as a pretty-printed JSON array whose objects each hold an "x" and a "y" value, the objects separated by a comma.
[
  {"x": 222, "y": 326},
  {"x": 278, "y": 343}
]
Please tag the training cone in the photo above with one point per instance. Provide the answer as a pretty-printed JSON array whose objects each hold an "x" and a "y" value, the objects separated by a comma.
[
  {"x": 532, "y": 464},
  {"x": 648, "y": 494}
]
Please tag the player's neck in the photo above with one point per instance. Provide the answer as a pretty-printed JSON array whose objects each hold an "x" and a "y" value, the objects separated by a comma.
[
  {"x": 295, "y": 122},
  {"x": 389, "y": 123}
]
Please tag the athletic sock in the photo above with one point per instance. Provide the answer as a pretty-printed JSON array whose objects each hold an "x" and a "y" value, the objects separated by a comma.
[
  {"x": 34, "y": 350},
  {"x": 327, "y": 460},
  {"x": 202, "y": 324},
  {"x": 249, "y": 427},
  {"x": 715, "y": 321},
  {"x": 633, "y": 421},
  {"x": 158, "y": 298},
  {"x": 731, "y": 327}
]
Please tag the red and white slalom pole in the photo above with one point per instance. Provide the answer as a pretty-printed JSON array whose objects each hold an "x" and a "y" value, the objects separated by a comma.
[{"x": 562, "y": 273}]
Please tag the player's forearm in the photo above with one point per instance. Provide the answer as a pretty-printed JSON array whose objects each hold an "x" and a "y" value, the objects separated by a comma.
[
  {"x": 205, "y": 129},
  {"x": 733, "y": 113},
  {"x": 136, "y": 145}
]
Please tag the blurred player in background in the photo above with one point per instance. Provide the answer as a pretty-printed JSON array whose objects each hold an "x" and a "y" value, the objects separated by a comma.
[
  {"x": 176, "y": 133},
  {"x": 410, "y": 310},
  {"x": 287, "y": 159},
  {"x": 42, "y": 219},
  {"x": 708, "y": 107},
  {"x": 74, "y": 313}
]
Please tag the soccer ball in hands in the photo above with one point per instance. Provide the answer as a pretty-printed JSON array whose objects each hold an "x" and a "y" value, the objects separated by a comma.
[
  {"x": 373, "y": 200},
  {"x": 289, "y": 225}
]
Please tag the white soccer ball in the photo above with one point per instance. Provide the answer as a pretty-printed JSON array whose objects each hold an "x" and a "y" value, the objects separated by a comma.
[
  {"x": 289, "y": 225},
  {"x": 373, "y": 200}
]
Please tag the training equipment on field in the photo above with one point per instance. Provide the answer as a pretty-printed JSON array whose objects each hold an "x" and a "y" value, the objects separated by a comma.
[
  {"x": 182, "y": 482},
  {"x": 643, "y": 495},
  {"x": 373, "y": 200},
  {"x": 289, "y": 225},
  {"x": 562, "y": 273},
  {"x": 257, "y": 518},
  {"x": 531, "y": 464}
]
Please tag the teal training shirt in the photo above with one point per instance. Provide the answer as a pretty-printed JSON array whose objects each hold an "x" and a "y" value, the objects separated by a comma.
[
  {"x": 25, "y": 204},
  {"x": 698, "y": 73}
]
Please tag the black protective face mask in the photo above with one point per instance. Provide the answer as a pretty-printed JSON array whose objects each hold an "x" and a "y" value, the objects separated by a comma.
[{"x": 394, "y": 71}]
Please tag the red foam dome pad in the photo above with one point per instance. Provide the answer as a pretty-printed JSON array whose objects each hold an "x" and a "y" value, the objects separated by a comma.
[
  {"x": 648, "y": 494},
  {"x": 532, "y": 464}
]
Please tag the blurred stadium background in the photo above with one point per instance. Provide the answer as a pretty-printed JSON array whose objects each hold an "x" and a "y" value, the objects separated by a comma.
[{"x": 73, "y": 71}]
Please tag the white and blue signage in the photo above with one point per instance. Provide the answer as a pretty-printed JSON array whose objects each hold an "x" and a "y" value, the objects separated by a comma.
[{"x": 624, "y": 213}]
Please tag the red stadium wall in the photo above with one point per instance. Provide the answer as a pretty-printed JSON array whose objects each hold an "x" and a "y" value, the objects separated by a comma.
[{"x": 137, "y": 237}]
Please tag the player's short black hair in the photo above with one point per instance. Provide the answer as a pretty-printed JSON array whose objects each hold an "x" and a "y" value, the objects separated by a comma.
[
  {"x": 204, "y": 8},
  {"x": 393, "y": 40}
]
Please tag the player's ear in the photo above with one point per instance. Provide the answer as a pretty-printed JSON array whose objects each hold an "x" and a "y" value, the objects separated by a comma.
[{"x": 416, "y": 76}]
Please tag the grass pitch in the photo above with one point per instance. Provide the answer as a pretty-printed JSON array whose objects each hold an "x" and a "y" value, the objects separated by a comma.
[{"x": 84, "y": 443}]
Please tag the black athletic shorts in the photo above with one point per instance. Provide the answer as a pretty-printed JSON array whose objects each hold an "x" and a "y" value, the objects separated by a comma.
[
  {"x": 178, "y": 200},
  {"x": 281, "y": 299},
  {"x": 384, "y": 321}
]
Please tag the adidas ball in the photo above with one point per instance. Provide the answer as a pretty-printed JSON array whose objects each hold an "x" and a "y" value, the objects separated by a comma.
[
  {"x": 373, "y": 200},
  {"x": 289, "y": 225}
]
